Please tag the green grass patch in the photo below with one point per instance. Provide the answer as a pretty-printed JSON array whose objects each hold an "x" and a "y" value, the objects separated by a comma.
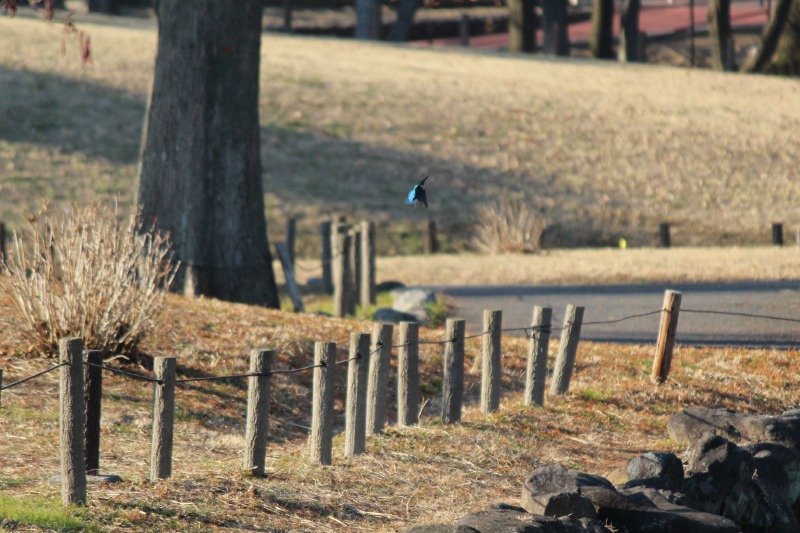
[
  {"x": 594, "y": 395},
  {"x": 45, "y": 513}
]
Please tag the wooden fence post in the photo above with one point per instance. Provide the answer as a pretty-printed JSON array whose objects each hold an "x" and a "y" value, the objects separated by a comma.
[
  {"x": 163, "y": 418},
  {"x": 777, "y": 234},
  {"x": 491, "y": 368},
  {"x": 666, "y": 336},
  {"x": 356, "y": 409},
  {"x": 663, "y": 235},
  {"x": 378, "y": 384},
  {"x": 72, "y": 422},
  {"x": 355, "y": 270},
  {"x": 431, "y": 240},
  {"x": 368, "y": 295},
  {"x": 257, "y": 426},
  {"x": 567, "y": 349},
  {"x": 1, "y": 387},
  {"x": 291, "y": 236},
  {"x": 342, "y": 275},
  {"x": 94, "y": 402},
  {"x": 2, "y": 243},
  {"x": 288, "y": 273},
  {"x": 321, "y": 438},
  {"x": 463, "y": 30},
  {"x": 325, "y": 231},
  {"x": 536, "y": 371},
  {"x": 453, "y": 387},
  {"x": 408, "y": 374}
]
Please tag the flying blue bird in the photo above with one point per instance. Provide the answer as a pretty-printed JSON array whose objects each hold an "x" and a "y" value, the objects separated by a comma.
[{"x": 417, "y": 195}]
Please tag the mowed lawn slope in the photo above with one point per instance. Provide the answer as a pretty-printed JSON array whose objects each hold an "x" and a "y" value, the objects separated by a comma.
[{"x": 606, "y": 150}]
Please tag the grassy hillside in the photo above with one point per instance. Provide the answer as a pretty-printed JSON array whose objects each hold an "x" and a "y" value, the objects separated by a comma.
[{"x": 604, "y": 149}]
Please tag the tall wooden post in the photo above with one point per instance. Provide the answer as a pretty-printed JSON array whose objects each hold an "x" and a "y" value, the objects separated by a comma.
[
  {"x": 408, "y": 374},
  {"x": 522, "y": 26},
  {"x": 377, "y": 387},
  {"x": 567, "y": 349},
  {"x": 325, "y": 229},
  {"x": 1, "y": 387},
  {"x": 321, "y": 438},
  {"x": 2, "y": 243},
  {"x": 664, "y": 239},
  {"x": 257, "y": 425},
  {"x": 356, "y": 414},
  {"x": 72, "y": 422},
  {"x": 666, "y": 336},
  {"x": 163, "y": 418},
  {"x": 431, "y": 239},
  {"x": 94, "y": 401},
  {"x": 453, "y": 389},
  {"x": 491, "y": 369},
  {"x": 368, "y": 293},
  {"x": 355, "y": 271},
  {"x": 536, "y": 371},
  {"x": 777, "y": 234},
  {"x": 342, "y": 275},
  {"x": 291, "y": 235}
]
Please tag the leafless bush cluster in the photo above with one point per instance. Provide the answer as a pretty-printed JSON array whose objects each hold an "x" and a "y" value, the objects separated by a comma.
[
  {"x": 509, "y": 227},
  {"x": 84, "y": 273}
]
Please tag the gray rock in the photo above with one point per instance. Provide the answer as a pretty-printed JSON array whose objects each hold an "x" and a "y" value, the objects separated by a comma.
[
  {"x": 551, "y": 479},
  {"x": 558, "y": 504},
  {"x": 387, "y": 286},
  {"x": 659, "y": 465},
  {"x": 430, "y": 528},
  {"x": 90, "y": 479},
  {"x": 385, "y": 314},
  {"x": 690, "y": 424},
  {"x": 779, "y": 466},
  {"x": 508, "y": 519},
  {"x": 413, "y": 301}
]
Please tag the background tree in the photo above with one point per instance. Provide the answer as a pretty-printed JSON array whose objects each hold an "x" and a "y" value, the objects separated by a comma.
[
  {"x": 109, "y": 7},
  {"x": 787, "y": 55},
  {"x": 601, "y": 39},
  {"x": 630, "y": 46},
  {"x": 719, "y": 22},
  {"x": 554, "y": 24},
  {"x": 401, "y": 29},
  {"x": 759, "y": 61},
  {"x": 522, "y": 25},
  {"x": 368, "y": 19},
  {"x": 200, "y": 170}
]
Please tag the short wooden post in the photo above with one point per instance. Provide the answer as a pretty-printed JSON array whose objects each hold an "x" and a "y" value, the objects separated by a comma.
[
  {"x": 94, "y": 401},
  {"x": 431, "y": 240},
  {"x": 2, "y": 243},
  {"x": 567, "y": 349},
  {"x": 1, "y": 387},
  {"x": 288, "y": 273},
  {"x": 368, "y": 294},
  {"x": 72, "y": 422},
  {"x": 491, "y": 369},
  {"x": 163, "y": 418},
  {"x": 356, "y": 408},
  {"x": 666, "y": 336},
  {"x": 664, "y": 239},
  {"x": 287, "y": 16},
  {"x": 463, "y": 31},
  {"x": 536, "y": 371},
  {"x": 408, "y": 374},
  {"x": 321, "y": 438},
  {"x": 777, "y": 234},
  {"x": 355, "y": 271},
  {"x": 257, "y": 425},
  {"x": 325, "y": 229},
  {"x": 291, "y": 235},
  {"x": 453, "y": 388},
  {"x": 378, "y": 384},
  {"x": 342, "y": 275}
]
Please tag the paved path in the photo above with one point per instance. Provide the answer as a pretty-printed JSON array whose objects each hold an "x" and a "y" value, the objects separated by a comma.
[
  {"x": 654, "y": 20},
  {"x": 602, "y": 303}
]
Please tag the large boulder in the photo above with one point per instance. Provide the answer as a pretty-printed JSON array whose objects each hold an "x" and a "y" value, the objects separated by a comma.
[
  {"x": 509, "y": 519},
  {"x": 413, "y": 301},
  {"x": 689, "y": 425},
  {"x": 385, "y": 314},
  {"x": 658, "y": 470}
]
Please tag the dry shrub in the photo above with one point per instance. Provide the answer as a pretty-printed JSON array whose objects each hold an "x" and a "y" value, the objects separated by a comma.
[
  {"x": 509, "y": 227},
  {"x": 84, "y": 273}
]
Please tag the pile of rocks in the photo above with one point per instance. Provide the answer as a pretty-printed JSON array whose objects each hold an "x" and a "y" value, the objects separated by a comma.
[{"x": 720, "y": 486}]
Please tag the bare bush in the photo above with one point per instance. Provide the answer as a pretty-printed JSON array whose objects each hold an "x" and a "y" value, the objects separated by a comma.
[
  {"x": 508, "y": 227},
  {"x": 84, "y": 273}
]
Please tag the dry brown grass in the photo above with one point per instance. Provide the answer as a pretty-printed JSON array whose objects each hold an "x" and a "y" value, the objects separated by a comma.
[
  {"x": 610, "y": 150},
  {"x": 408, "y": 476}
]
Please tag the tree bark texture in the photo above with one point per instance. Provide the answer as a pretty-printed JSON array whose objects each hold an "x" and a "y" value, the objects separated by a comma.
[
  {"x": 787, "y": 57},
  {"x": 601, "y": 40},
  {"x": 368, "y": 19},
  {"x": 719, "y": 23},
  {"x": 200, "y": 167},
  {"x": 522, "y": 26},
  {"x": 629, "y": 46},
  {"x": 554, "y": 24},
  {"x": 401, "y": 29},
  {"x": 759, "y": 61}
]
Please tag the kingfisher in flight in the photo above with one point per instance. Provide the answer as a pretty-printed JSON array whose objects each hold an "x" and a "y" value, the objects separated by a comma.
[{"x": 417, "y": 195}]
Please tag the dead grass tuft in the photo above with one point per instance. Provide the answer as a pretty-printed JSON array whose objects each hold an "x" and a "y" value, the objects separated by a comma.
[{"x": 508, "y": 226}]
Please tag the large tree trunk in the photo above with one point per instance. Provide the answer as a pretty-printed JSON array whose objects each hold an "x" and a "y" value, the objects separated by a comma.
[
  {"x": 759, "y": 61},
  {"x": 368, "y": 19},
  {"x": 719, "y": 22},
  {"x": 200, "y": 169},
  {"x": 630, "y": 47},
  {"x": 787, "y": 57},
  {"x": 401, "y": 29},
  {"x": 601, "y": 40},
  {"x": 554, "y": 24},
  {"x": 522, "y": 25}
]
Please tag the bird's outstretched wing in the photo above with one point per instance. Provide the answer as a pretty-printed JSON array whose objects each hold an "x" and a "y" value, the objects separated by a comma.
[{"x": 417, "y": 195}]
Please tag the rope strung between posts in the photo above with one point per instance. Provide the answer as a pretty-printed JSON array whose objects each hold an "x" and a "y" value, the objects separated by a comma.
[
  {"x": 378, "y": 347},
  {"x": 129, "y": 374},
  {"x": 746, "y": 315},
  {"x": 621, "y": 319},
  {"x": 23, "y": 380}
]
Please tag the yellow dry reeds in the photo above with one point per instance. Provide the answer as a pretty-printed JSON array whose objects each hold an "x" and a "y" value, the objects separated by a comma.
[{"x": 508, "y": 226}]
